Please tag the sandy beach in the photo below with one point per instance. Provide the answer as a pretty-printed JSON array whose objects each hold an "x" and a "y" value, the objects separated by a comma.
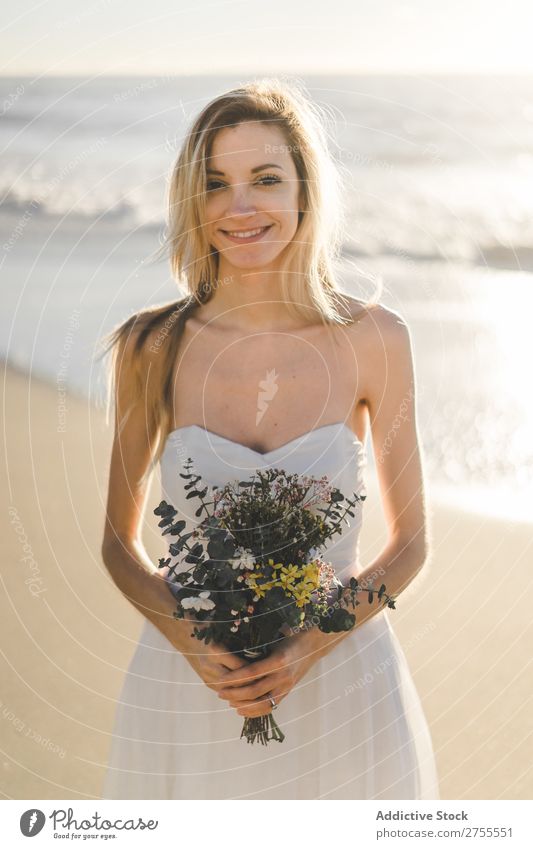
[{"x": 67, "y": 633}]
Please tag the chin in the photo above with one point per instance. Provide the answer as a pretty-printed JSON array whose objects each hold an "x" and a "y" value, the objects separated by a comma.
[{"x": 249, "y": 263}]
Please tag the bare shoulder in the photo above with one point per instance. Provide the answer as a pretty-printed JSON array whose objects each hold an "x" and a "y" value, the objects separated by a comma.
[
  {"x": 372, "y": 313},
  {"x": 381, "y": 343},
  {"x": 375, "y": 326}
]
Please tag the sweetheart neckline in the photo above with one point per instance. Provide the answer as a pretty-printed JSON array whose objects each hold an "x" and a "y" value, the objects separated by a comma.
[{"x": 344, "y": 427}]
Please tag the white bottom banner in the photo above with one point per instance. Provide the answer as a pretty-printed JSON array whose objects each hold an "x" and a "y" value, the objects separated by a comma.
[{"x": 221, "y": 824}]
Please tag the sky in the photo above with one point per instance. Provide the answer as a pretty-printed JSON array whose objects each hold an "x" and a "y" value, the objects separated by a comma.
[{"x": 56, "y": 37}]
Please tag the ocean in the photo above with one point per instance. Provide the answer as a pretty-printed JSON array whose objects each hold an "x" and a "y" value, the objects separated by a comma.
[{"x": 438, "y": 196}]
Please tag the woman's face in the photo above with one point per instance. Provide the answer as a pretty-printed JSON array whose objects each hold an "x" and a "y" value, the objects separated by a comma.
[{"x": 252, "y": 195}]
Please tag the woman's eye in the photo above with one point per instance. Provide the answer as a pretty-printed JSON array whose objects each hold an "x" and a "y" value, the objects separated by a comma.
[
  {"x": 270, "y": 179},
  {"x": 265, "y": 180}
]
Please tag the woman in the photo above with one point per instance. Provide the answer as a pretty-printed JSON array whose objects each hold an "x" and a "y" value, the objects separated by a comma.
[{"x": 266, "y": 362}]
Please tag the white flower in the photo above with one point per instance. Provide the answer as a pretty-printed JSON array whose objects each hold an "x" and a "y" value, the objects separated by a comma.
[
  {"x": 201, "y": 602},
  {"x": 243, "y": 559}
]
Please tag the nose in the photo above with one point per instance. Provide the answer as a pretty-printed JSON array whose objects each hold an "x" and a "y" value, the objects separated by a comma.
[{"x": 240, "y": 202}]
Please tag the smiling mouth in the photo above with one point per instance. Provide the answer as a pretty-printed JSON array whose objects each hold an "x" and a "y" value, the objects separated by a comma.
[{"x": 250, "y": 235}]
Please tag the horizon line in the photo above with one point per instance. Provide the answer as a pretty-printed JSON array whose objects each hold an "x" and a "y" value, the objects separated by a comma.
[{"x": 310, "y": 73}]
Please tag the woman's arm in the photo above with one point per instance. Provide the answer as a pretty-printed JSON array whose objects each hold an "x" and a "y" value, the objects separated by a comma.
[
  {"x": 390, "y": 397},
  {"x": 123, "y": 552},
  {"x": 136, "y": 577}
]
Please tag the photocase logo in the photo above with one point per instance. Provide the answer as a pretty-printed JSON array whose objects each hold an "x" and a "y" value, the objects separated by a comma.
[
  {"x": 65, "y": 824},
  {"x": 31, "y": 822}
]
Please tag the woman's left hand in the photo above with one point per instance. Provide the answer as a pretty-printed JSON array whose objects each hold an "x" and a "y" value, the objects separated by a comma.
[{"x": 248, "y": 689}]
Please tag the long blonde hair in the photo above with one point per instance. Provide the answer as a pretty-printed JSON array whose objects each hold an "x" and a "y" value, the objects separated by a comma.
[{"x": 307, "y": 277}]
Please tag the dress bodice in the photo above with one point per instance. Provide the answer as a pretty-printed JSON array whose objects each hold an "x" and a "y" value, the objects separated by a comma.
[{"x": 331, "y": 450}]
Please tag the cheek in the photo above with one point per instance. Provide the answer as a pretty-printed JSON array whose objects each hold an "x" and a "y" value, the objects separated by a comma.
[
  {"x": 290, "y": 206},
  {"x": 212, "y": 210},
  {"x": 290, "y": 222}
]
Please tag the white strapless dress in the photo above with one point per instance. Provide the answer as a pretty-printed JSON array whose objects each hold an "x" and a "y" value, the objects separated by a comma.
[{"x": 354, "y": 725}]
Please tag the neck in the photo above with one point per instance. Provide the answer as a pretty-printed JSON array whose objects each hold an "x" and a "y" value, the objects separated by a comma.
[{"x": 249, "y": 300}]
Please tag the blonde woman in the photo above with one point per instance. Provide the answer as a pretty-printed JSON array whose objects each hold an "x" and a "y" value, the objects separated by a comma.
[{"x": 265, "y": 362}]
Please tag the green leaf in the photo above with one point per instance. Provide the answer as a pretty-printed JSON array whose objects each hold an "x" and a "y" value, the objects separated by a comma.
[
  {"x": 199, "y": 573},
  {"x": 291, "y": 614},
  {"x": 165, "y": 509},
  {"x": 176, "y": 528},
  {"x": 182, "y": 577},
  {"x": 221, "y": 547},
  {"x": 341, "y": 620}
]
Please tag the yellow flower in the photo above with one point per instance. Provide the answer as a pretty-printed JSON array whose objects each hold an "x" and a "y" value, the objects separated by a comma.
[
  {"x": 261, "y": 589},
  {"x": 311, "y": 574},
  {"x": 302, "y": 597},
  {"x": 252, "y": 582},
  {"x": 288, "y": 575},
  {"x": 287, "y": 580}
]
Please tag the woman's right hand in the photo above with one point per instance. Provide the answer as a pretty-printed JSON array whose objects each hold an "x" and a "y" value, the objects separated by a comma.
[{"x": 212, "y": 661}]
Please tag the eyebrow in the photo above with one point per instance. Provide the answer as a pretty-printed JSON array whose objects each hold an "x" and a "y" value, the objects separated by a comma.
[{"x": 253, "y": 170}]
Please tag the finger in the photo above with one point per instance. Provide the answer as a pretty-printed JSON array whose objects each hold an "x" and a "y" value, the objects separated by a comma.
[
  {"x": 248, "y": 692},
  {"x": 261, "y": 702},
  {"x": 228, "y": 659},
  {"x": 252, "y": 671},
  {"x": 259, "y": 707},
  {"x": 240, "y": 677},
  {"x": 235, "y": 692},
  {"x": 215, "y": 675}
]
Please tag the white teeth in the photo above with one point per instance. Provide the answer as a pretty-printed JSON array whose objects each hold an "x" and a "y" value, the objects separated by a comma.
[{"x": 246, "y": 234}]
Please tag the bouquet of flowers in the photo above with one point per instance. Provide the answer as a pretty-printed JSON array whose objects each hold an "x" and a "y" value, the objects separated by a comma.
[{"x": 251, "y": 567}]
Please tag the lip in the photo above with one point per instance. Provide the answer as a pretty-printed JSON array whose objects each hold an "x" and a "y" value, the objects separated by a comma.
[{"x": 238, "y": 240}]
